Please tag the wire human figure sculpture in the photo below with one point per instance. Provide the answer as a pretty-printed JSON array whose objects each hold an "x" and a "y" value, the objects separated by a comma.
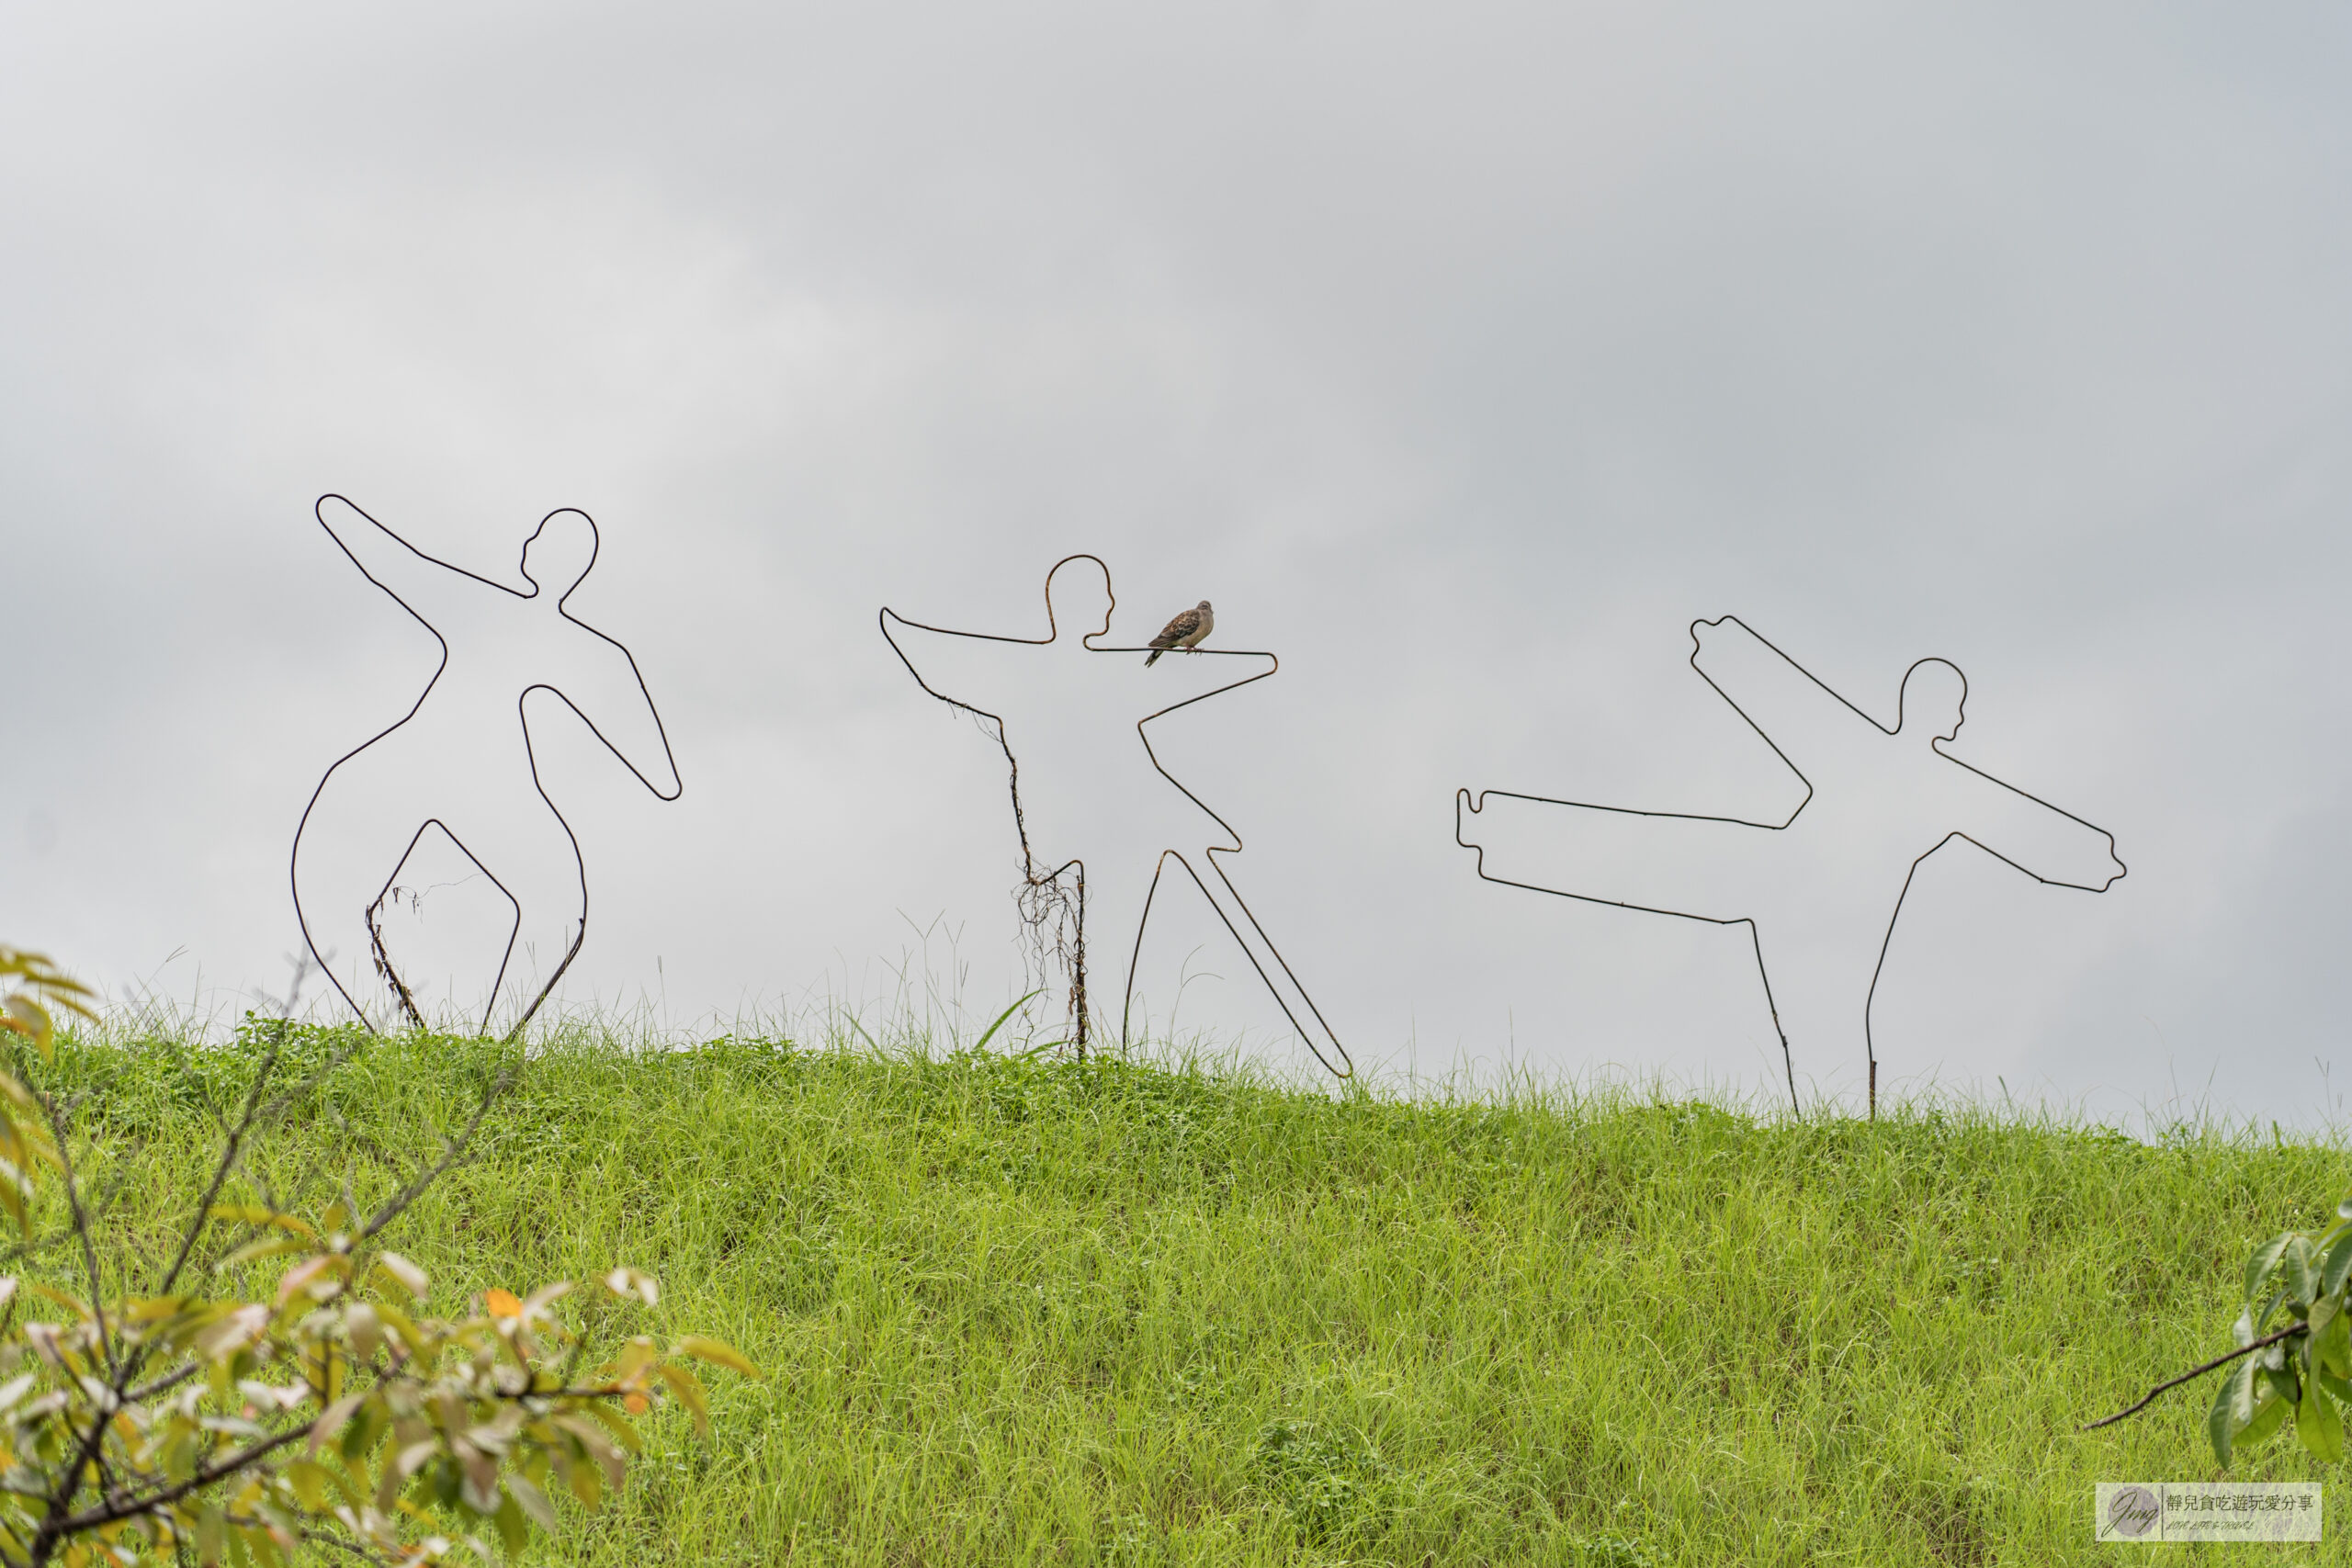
[
  {"x": 1045, "y": 699},
  {"x": 461, "y": 761},
  {"x": 1820, "y": 891}
]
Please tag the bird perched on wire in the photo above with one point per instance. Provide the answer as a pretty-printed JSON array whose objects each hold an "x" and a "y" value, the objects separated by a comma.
[{"x": 1186, "y": 631}]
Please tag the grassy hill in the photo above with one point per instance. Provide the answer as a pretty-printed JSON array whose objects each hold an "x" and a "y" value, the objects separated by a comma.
[{"x": 1036, "y": 1310}]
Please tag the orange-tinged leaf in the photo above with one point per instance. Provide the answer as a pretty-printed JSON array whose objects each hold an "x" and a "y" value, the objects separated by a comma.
[
  {"x": 501, "y": 1303},
  {"x": 635, "y": 1404}
]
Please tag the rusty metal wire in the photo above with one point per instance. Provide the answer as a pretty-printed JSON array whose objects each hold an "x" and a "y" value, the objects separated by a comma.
[
  {"x": 1462, "y": 798},
  {"x": 1039, "y": 888},
  {"x": 396, "y": 558}
]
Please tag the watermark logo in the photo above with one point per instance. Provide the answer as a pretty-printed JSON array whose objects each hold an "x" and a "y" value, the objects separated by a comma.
[
  {"x": 2208, "y": 1510},
  {"x": 2128, "y": 1513}
]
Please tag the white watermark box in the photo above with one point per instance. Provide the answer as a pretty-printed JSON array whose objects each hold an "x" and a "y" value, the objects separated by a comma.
[{"x": 2208, "y": 1510}]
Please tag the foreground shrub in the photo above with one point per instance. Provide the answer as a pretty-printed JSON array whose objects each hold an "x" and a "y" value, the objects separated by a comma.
[{"x": 147, "y": 1411}]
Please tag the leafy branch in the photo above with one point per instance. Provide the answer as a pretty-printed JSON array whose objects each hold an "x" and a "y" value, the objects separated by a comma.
[
  {"x": 2299, "y": 1368},
  {"x": 329, "y": 1410}
]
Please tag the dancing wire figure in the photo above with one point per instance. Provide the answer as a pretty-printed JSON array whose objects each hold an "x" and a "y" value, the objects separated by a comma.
[
  {"x": 1060, "y": 712},
  {"x": 461, "y": 761},
  {"x": 1821, "y": 890}
]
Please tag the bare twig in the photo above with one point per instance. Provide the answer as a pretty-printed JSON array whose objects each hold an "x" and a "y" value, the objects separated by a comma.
[
  {"x": 399, "y": 1203},
  {"x": 228, "y": 1162},
  {"x": 321, "y": 1537},
  {"x": 2194, "y": 1373},
  {"x": 107, "y": 1514},
  {"x": 163, "y": 1384},
  {"x": 57, "y": 1126}
]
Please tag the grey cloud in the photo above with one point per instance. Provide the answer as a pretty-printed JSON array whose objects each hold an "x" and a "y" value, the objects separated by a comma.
[{"x": 2008, "y": 335}]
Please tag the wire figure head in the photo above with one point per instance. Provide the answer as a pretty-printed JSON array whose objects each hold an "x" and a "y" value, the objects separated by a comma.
[
  {"x": 559, "y": 551},
  {"x": 1078, "y": 596},
  {"x": 1935, "y": 698}
]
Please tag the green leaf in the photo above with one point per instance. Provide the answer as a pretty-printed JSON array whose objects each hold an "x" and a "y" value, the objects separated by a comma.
[
  {"x": 21, "y": 1013},
  {"x": 587, "y": 1484},
  {"x": 266, "y": 1247},
  {"x": 688, "y": 1389},
  {"x": 990, "y": 1032},
  {"x": 2269, "y": 1417},
  {"x": 403, "y": 1273},
  {"x": 256, "y": 1215},
  {"x": 401, "y": 1324},
  {"x": 310, "y": 1479},
  {"x": 364, "y": 1326},
  {"x": 330, "y": 1419},
  {"x": 514, "y": 1530},
  {"x": 613, "y": 1421},
  {"x": 2329, "y": 1345},
  {"x": 534, "y": 1501},
  {"x": 52, "y": 1294},
  {"x": 2220, "y": 1420},
  {"x": 2263, "y": 1262},
  {"x": 2317, "y": 1424},
  {"x": 2335, "y": 1262},
  {"x": 2300, "y": 1264},
  {"x": 717, "y": 1354}
]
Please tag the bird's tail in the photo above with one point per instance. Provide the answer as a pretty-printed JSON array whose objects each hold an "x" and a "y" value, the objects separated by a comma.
[{"x": 1156, "y": 652}]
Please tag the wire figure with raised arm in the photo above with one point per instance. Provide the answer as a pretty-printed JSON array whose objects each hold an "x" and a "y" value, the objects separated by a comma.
[
  {"x": 461, "y": 761},
  {"x": 1820, "y": 891},
  {"x": 1091, "y": 800}
]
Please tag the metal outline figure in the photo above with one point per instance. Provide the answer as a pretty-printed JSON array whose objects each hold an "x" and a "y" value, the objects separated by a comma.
[
  {"x": 1086, "y": 640},
  {"x": 1462, "y": 798},
  {"x": 382, "y": 960}
]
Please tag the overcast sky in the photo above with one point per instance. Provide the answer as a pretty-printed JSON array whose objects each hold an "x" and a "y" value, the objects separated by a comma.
[{"x": 1462, "y": 354}]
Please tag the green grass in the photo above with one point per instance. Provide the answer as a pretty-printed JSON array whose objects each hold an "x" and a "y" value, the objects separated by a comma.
[{"x": 1033, "y": 1311}]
